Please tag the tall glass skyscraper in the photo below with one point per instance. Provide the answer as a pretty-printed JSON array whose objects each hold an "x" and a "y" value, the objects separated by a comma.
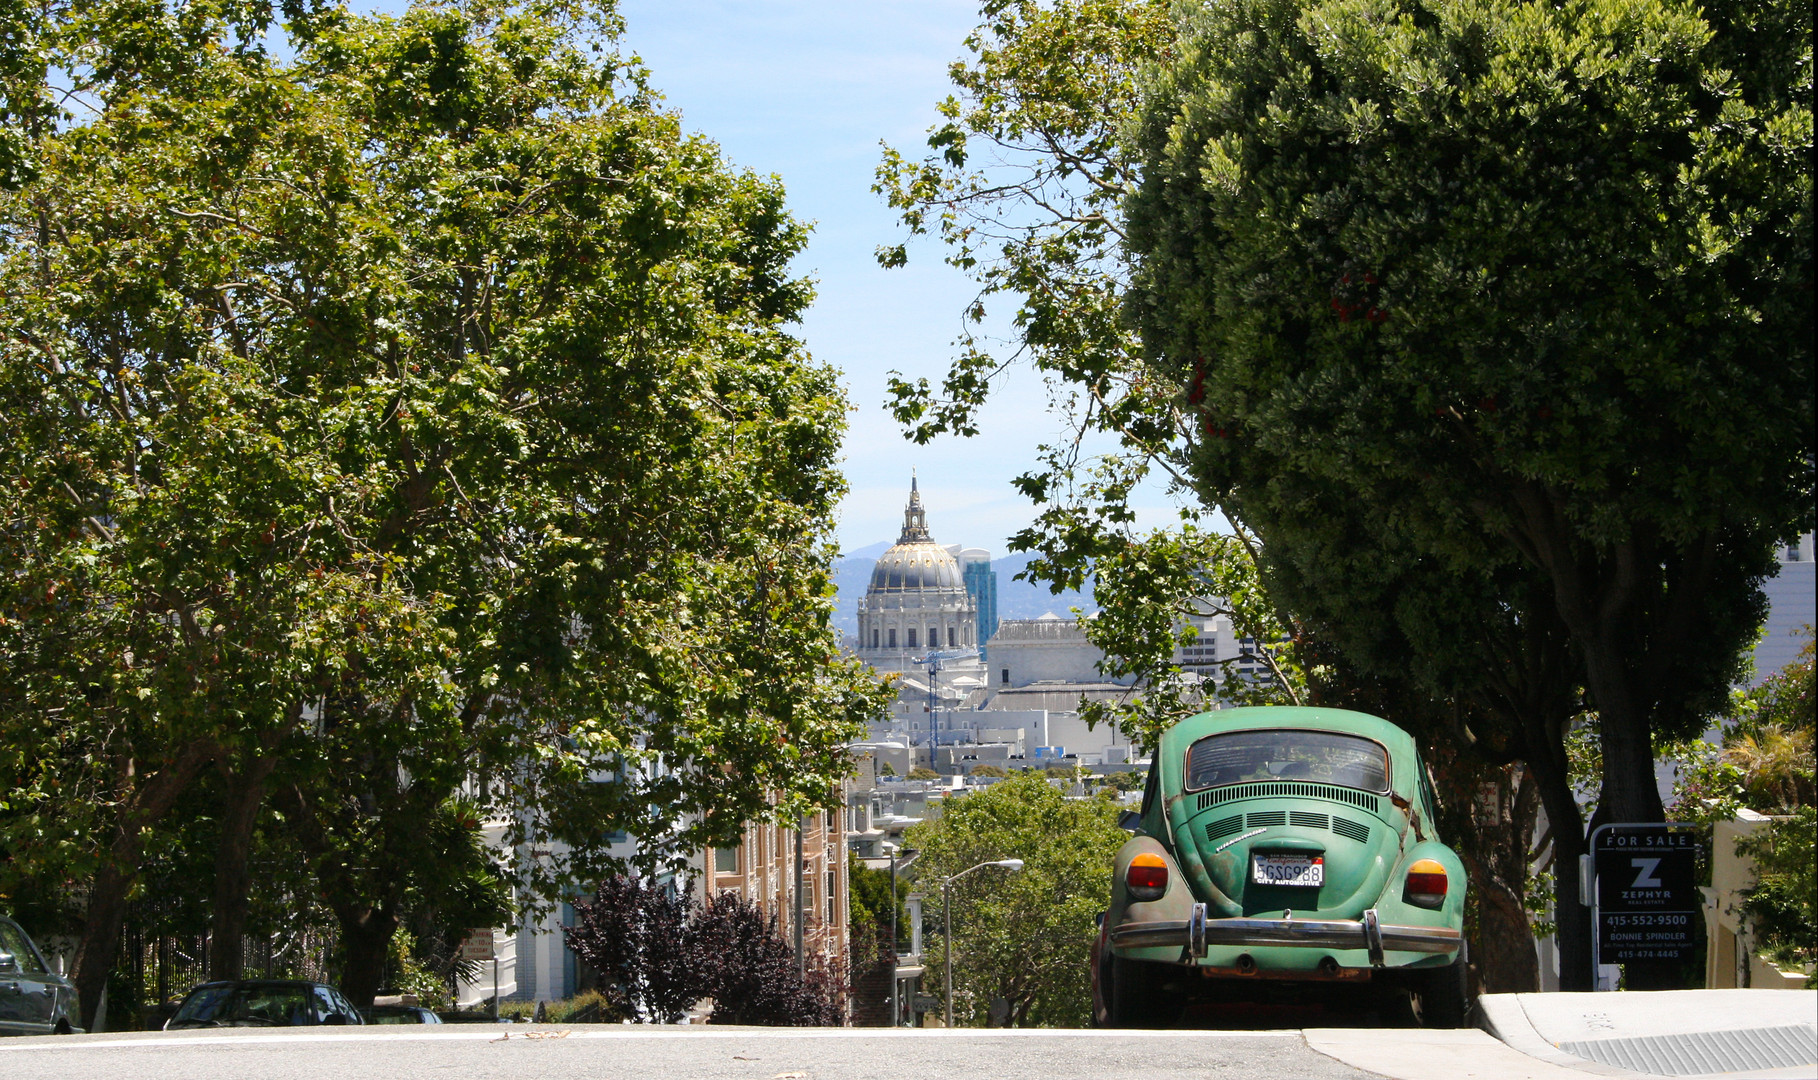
[{"x": 981, "y": 582}]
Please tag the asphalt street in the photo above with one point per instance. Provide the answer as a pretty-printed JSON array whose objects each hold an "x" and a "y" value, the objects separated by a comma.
[{"x": 619, "y": 1053}]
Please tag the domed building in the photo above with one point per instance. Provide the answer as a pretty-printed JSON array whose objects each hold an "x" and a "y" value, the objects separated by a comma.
[{"x": 917, "y": 600}]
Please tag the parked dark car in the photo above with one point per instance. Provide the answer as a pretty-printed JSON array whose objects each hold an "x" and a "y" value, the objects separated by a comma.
[
  {"x": 401, "y": 1014},
  {"x": 34, "y": 999},
  {"x": 263, "y": 1003}
]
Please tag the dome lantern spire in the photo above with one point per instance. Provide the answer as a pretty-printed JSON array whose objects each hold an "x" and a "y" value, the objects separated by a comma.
[{"x": 915, "y": 519}]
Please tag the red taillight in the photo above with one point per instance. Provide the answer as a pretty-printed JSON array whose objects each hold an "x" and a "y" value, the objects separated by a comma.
[
  {"x": 1148, "y": 872},
  {"x": 1426, "y": 884}
]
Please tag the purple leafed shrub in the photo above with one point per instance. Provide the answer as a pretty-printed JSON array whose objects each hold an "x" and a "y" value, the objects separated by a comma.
[
  {"x": 659, "y": 954},
  {"x": 635, "y": 936}
]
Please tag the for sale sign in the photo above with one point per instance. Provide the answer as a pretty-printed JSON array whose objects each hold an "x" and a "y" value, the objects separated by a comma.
[{"x": 1647, "y": 897}]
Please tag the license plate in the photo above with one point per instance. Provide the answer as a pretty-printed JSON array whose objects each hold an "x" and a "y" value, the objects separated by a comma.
[{"x": 1302, "y": 870}]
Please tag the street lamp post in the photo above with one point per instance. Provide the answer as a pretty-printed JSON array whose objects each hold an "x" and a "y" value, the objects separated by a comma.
[
  {"x": 1012, "y": 865},
  {"x": 896, "y": 1009}
]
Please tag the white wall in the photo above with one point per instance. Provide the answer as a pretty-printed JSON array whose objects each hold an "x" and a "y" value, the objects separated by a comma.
[
  {"x": 1792, "y": 598},
  {"x": 1041, "y": 650}
]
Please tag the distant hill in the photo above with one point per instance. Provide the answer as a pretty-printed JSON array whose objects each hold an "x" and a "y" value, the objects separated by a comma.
[
  {"x": 1027, "y": 600},
  {"x": 869, "y": 551},
  {"x": 1015, "y": 599}
]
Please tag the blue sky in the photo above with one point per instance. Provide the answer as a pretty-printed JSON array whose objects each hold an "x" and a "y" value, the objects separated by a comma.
[{"x": 806, "y": 89}]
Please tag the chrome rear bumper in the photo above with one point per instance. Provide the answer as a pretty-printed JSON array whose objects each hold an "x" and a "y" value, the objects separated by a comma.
[{"x": 1197, "y": 934}]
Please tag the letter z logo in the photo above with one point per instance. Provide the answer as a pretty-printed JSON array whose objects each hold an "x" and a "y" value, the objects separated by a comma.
[{"x": 1646, "y": 879}]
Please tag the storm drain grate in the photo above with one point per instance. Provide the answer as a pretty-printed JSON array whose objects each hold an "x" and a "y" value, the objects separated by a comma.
[{"x": 1705, "y": 1051}]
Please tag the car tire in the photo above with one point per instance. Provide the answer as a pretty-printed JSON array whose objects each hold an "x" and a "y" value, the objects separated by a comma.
[
  {"x": 1442, "y": 997},
  {"x": 1138, "y": 998}
]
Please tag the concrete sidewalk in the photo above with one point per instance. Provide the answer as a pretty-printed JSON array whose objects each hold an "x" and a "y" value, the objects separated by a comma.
[
  {"x": 1702, "y": 1034},
  {"x": 1422, "y": 1054}
]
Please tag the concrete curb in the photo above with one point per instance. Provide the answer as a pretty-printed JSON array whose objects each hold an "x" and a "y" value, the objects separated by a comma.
[
  {"x": 1503, "y": 1017},
  {"x": 1549, "y": 1027},
  {"x": 1464, "y": 1054}
]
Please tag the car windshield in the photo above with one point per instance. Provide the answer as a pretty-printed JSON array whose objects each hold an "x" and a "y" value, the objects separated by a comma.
[
  {"x": 245, "y": 1005},
  {"x": 1322, "y": 756}
]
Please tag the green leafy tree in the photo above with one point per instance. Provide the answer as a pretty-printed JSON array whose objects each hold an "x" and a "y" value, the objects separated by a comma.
[
  {"x": 1583, "y": 353},
  {"x": 1765, "y": 763},
  {"x": 1764, "y": 760},
  {"x": 870, "y": 897},
  {"x": 22, "y": 79},
  {"x": 184, "y": 576},
  {"x": 1784, "y": 900},
  {"x": 434, "y": 387},
  {"x": 1771, "y": 743},
  {"x": 1025, "y": 938},
  {"x": 1127, "y": 780},
  {"x": 872, "y": 910}
]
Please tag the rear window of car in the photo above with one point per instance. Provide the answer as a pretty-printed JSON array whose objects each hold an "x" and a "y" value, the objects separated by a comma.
[
  {"x": 252, "y": 1004},
  {"x": 13, "y": 942},
  {"x": 1324, "y": 757}
]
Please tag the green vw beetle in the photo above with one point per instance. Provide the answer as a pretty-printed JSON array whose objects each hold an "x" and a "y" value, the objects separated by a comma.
[{"x": 1290, "y": 846}]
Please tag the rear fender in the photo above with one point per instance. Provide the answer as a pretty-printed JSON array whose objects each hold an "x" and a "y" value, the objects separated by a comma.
[
  {"x": 1176, "y": 901},
  {"x": 1394, "y": 908}
]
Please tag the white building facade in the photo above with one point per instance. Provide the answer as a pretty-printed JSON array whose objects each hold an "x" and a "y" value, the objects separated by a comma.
[
  {"x": 917, "y": 601},
  {"x": 1791, "y": 596}
]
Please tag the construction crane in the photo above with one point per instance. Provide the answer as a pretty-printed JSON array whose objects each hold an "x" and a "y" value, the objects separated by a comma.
[{"x": 932, "y": 661}]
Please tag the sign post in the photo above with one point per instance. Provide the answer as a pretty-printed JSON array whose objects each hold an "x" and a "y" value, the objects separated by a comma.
[
  {"x": 1647, "y": 904},
  {"x": 478, "y": 945}
]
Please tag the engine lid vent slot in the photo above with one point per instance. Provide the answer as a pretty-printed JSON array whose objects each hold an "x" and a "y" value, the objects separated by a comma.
[
  {"x": 1223, "y": 827},
  {"x": 1363, "y": 800}
]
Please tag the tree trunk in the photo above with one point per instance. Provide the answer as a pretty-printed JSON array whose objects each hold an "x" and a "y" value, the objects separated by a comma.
[
  {"x": 1504, "y": 950},
  {"x": 1572, "y": 920},
  {"x": 1599, "y": 597},
  {"x": 95, "y": 953},
  {"x": 1504, "y": 953},
  {"x": 112, "y": 885},
  {"x": 245, "y": 794},
  {"x": 1630, "y": 792},
  {"x": 365, "y": 943}
]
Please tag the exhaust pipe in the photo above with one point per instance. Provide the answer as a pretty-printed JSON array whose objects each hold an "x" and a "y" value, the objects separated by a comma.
[
  {"x": 1329, "y": 968},
  {"x": 1246, "y": 964}
]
